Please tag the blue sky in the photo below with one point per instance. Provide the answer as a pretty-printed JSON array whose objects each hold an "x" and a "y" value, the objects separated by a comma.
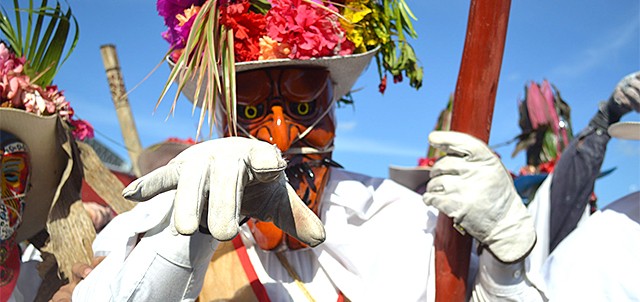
[{"x": 584, "y": 48}]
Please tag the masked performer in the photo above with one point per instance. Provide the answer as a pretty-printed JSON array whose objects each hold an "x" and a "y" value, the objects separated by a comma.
[
  {"x": 315, "y": 232},
  {"x": 578, "y": 237},
  {"x": 41, "y": 215}
]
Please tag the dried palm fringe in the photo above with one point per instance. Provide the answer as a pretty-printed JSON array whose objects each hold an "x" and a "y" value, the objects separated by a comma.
[
  {"x": 71, "y": 231},
  {"x": 102, "y": 181}
]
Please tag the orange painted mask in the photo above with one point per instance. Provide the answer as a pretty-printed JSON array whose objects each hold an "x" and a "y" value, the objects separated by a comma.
[{"x": 293, "y": 109}]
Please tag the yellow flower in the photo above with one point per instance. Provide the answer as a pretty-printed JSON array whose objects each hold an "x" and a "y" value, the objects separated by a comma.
[
  {"x": 271, "y": 49},
  {"x": 187, "y": 14},
  {"x": 356, "y": 11}
]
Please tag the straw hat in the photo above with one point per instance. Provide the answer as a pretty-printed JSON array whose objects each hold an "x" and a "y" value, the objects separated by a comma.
[
  {"x": 160, "y": 154},
  {"x": 48, "y": 162},
  {"x": 414, "y": 178},
  {"x": 343, "y": 70},
  {"x": 625, "y": 130}
]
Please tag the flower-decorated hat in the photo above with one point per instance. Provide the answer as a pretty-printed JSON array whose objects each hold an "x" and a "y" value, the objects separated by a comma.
[
  {"x": 625, "y": 130},
  {"x": 221, "y": 38},
  {"x": 41, "y": 119}
]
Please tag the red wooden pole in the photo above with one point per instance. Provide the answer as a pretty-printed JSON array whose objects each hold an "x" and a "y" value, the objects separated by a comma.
[{"x": 473, "y": 104}]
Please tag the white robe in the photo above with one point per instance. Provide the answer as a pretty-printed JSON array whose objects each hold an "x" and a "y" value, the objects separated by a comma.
[{"x": 379, "y": 247}]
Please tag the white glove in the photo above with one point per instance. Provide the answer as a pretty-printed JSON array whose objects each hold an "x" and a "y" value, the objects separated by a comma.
[
  {"x": 471, "y": 186},
  {"x": 627, "y": 93},
  {"x": 235, "y": 176}
]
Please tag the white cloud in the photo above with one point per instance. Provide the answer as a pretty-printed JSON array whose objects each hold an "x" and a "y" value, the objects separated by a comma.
[
  {"x": 628, "y": 148},
  {"x": 346, "y": 125},
  {"x": 601, "y": 52}
]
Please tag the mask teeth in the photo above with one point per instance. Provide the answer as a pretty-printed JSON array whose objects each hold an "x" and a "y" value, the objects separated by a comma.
[
  {"x": 303, "y": 172},
  {"x": 305, "y": 199},
  {"x": 331, "y": 163}
]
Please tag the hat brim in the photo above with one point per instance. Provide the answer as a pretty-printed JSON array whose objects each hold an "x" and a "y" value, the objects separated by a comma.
[
  {"x": 410, "y": 177},
  {"x": 158, "y": 155},
  {"x": 343, "y": 70},
  {"x": 47, "y": 162},
  {"x": 625, "y": 130}
]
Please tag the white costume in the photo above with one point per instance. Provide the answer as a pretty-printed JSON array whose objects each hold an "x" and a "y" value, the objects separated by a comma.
[
  {"x": 601, "y": 252},
  {"x": 379, "y": 247}
]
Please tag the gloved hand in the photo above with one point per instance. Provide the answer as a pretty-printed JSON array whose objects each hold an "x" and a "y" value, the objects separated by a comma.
[
  {"x": 627, "y": 93},
  {"x": 471, "y": 186},
  {"x": 228, "y": 177}
]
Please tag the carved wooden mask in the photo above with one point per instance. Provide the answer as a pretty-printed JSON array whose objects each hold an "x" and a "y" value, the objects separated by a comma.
[{"x": 292, "y": 108}]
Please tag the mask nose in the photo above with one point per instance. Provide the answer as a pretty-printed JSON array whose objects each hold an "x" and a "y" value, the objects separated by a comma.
[{"x": 278, "y": 131}]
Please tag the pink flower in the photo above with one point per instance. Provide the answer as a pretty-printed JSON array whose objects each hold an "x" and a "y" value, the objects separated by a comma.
[
  {"x": 12, "y": 79},
  {"x": 81, "y": 129},
  {"x": 178, "y": 30},
  {"x": 310, "y": 30}
]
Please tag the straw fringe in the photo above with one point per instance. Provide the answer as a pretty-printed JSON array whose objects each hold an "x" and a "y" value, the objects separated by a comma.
[
  {"x": 71, "y": 231},
  {"x": 102, "y": 180},
  {"x": 70, "y": 237}
]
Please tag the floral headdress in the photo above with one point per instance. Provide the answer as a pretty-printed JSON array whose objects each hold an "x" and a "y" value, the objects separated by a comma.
[
  {"x": 545, "y": 120},
  {"x": 31, "y": 59},
  {"x": 208, "y": 37}
]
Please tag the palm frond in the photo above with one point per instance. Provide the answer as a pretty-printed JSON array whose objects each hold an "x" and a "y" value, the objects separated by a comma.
[
  {"x": 207, "y": 61},
  {"x": 43, "y": 41}
]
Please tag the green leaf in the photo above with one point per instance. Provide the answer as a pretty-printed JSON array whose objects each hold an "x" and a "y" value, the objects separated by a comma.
[{"x": 45, "y": 52}]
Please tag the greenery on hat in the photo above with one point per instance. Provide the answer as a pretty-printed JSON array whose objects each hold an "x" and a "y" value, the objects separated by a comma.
[
  {"x": 36, "y": 40},
  {"x": 41, "y": 38}
]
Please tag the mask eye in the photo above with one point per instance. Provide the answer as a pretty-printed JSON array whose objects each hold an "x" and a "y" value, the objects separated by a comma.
[
  {"x": 302, "y": 108},
  {"x": 250, "y": 112}
]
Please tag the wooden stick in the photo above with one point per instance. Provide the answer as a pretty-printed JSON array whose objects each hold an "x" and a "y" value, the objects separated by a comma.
[
  {"x": 473, "y": 104},
  {"x": 121, "y": 102}
]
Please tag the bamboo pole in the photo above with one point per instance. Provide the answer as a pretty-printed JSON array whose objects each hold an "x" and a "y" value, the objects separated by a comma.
[
  {"x": 121, "y": 102},
  {"x": 473, "y": 104}
]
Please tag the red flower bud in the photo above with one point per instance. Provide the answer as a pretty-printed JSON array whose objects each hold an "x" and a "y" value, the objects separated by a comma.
[{"x": 383, "y": 84}]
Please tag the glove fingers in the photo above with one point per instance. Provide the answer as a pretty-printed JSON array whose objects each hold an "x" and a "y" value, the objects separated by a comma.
[
  {"x": 157, "y": 181},
  {"x": 303, "y": 224},
  {"x": 228, "y": 179},
  {"x": 632, "y": 92},
  {"x": 449, "y": 165},
  {"x": 190, "y": 197},
  {"x": 442, "y": 192},
  {"x": 460, "y": 144},
  {"x": 266, "y": 161}
]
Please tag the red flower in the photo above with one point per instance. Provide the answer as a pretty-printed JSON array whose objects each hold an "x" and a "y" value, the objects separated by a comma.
[
  {"x": 397, "y": 78},
  {"x": 383, "y": 84},
  {"x": 427, "y": 161},
  {"x": 188, "y": 141},
  {"x": 248, "y": 27},
  {"x": 548, "y": 166}
]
